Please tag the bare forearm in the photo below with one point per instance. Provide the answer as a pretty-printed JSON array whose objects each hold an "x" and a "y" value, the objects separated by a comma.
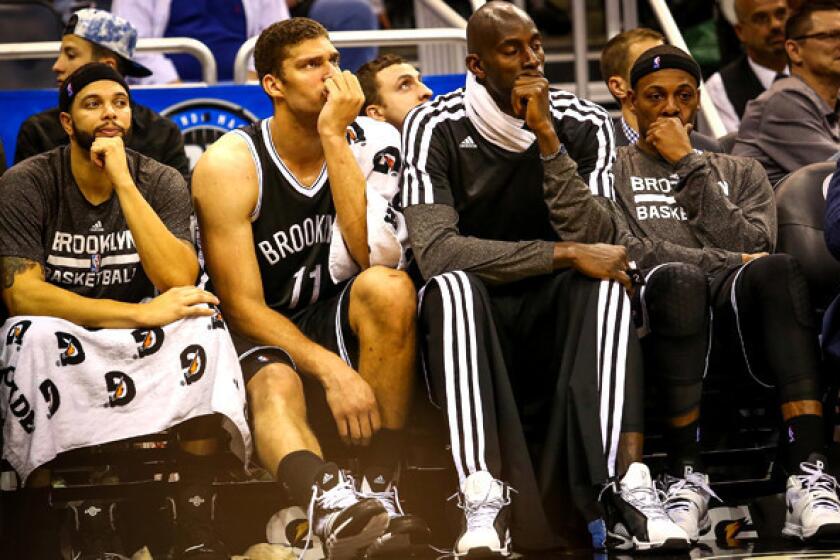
[
  {"x": 348, "y": 191},
  {"x": 262, "y": 324},
  {"x": 167, "y": 260},
  {"x": 44, "y": 299}
]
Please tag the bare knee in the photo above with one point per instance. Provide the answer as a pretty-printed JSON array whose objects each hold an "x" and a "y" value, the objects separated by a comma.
[
  {"x": 274, "y": 384},
  {"x": 385, "y": 295}
]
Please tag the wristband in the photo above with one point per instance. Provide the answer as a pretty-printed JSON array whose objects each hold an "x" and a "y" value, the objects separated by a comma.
[{"x": 560, "y": 151}]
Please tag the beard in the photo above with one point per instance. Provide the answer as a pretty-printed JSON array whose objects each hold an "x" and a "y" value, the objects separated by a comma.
[{"x": 85, "y": 139}]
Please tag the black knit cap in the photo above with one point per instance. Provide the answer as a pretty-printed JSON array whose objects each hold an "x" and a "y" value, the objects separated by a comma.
[
  {"x": 662, "y": 58},
  {"x": 84, "y": 75}
]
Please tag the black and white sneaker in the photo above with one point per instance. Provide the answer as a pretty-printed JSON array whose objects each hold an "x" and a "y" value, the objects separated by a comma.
[
  {"x": 636, "y": 517},
  {"x": 687, "y": 502},
  {"x": 195, "y": 533},
  {"x": 94, "y": 535},
  {"x": 406, "y": 534},
  {"x": 484, "y": 532},
  {"x": 813, "y": 510},
  {"x": 346, "y": 524}
]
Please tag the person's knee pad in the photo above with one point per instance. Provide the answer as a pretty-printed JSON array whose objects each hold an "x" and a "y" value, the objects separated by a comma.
[
  {"x": 676, "y": 300},
  {"x": 778, "y": 278}
]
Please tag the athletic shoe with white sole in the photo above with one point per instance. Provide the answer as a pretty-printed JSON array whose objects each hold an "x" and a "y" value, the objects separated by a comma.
[
  {"x": 637, "y": 519},
  {"x": 813, "y": 510},
  {"x": 93, "y": 532},
  {"x": 687, "y": 502},
  {"x": 484, "y": 532},
  {"x": 406, "y": 534},
  {"x": 346, "y": 524}
]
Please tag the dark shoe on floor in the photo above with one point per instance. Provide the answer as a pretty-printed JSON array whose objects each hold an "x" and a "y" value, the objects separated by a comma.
[
  {"x": 94, "y": 534},
  {"x": 195, "y": 533}
]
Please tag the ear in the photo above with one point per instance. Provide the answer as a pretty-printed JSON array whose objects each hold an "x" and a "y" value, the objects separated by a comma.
[
  {"x": 110, "y": 61},
  {"x": 66, "y": 123},
  {"x": 273, "y": 87},
  {"x": 474, "y": 65},
  {"x": 739, "y": 31},
  {"x": 794, "y": 55},
  {"x": 375, "y": 112},
  {"x": 618, "y": 87}
]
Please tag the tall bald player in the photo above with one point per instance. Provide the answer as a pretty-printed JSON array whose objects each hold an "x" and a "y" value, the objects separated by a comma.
[{"x": 526, "y": 328}]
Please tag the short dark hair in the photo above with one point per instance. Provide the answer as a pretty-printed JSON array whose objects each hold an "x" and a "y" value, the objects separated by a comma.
[
  {"x": 614, "y": 60},
  {"x": 99, "y": 52},
  {"x": 367, "y": 76},
  {"x": 274, "y": 42},
  {"x": 799, "y": 22}
]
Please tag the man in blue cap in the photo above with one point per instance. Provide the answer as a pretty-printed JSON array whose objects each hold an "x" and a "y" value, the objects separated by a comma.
[{"x": 99, "y": 36}]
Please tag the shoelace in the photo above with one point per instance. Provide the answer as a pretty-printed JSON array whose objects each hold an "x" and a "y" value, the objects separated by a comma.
[
  {"x": 340, "y": 496},
  {"x": 647, "y": 499},
  {"x": 483, "y": 513},
  {"x": 390, "y": 500},
  {"x": 823, "y": 486},
  {"x": 675, "y": 498}
]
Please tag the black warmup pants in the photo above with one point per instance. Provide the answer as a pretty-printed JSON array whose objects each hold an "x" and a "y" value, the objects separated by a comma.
[{"x": 548, "y": 364}]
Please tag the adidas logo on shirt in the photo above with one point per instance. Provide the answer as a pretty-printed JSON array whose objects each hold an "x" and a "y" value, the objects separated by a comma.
[
  {"x": 379, "y": 479},
  {"x": 97, "y": 226},
  {"x": 467, "y": 142},
  {"x": 327, "y": 477}
]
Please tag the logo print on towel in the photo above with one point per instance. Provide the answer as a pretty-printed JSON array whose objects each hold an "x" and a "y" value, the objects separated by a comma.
[
  {"x": 217, "y": 321},
  {"x": 149, "y": 341},
  {"x": 121, "y": 389},
  {"x": 193, "y": 363},
  {"x": 51, "y": 396},
  {"x": 16, "y": 332},
  {"x": 71, "y": 349},
  {"x": 387, "y": 161}
]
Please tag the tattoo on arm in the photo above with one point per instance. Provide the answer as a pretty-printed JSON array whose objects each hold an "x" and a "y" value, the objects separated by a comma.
[{"x": 12, "y": 266}]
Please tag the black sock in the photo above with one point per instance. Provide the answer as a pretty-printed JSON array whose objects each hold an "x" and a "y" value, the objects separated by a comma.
[
  {"x": 297, "y": 471},
  {"x": 383, "y": 455},
  {"x": 683, "y": 449},
  {"x": 803, "y": 435}
]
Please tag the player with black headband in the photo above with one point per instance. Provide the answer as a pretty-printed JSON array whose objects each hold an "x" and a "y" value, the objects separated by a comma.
[
  {"x": 526, "y": 327},
  {"x": 693, "y": 217}
]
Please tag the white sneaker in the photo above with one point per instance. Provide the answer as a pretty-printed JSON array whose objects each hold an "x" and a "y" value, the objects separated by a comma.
[
  {"x": 484, "y": 533},
  {"x": 813, "y": 510},
  {"x": 687, "y": 502},
  {"x": 640, "y": 521}
]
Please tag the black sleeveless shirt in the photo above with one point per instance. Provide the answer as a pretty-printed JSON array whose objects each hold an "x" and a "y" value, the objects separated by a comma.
[{"x": 292, "y": 228}]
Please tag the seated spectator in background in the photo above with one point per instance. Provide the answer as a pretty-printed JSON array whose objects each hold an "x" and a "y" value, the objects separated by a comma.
[
  {"x": 97, "y": 36},
  {"x": 328, "y": 351},
  {"x": 797, "y": 121},
  {"x": 222, "y": 25},
  {"x": 512, "y": 309},
  {"x": 761, "y": 30},
  {"x": 89, "y": 233},
  {"x": 617, "y": 58},
  {"x": 392, "y": 88},
  {"x": 715, "y": 216},
  {"x": 342, "y": 15}
]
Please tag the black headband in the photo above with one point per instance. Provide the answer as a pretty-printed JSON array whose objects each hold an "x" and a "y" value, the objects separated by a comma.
[
  {"x": 661, "y": 58},
  {"x": 89, "y": 73}
]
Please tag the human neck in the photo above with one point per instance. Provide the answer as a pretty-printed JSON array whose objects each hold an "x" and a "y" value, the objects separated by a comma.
[
  {"x": 777, "y": 63},
  {"x": 296, "y": 137},
  {"x": 629, "y": 116},
  {"x": 825, "y": 87},
  {"x": 92, "y": 181}
]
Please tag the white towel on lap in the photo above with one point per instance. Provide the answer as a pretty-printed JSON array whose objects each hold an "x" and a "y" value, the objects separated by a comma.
[{"x": 63, "y": 386}]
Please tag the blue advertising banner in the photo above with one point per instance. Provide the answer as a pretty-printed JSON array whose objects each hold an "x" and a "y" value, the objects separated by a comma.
[{"x": 203, "y": 113}]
